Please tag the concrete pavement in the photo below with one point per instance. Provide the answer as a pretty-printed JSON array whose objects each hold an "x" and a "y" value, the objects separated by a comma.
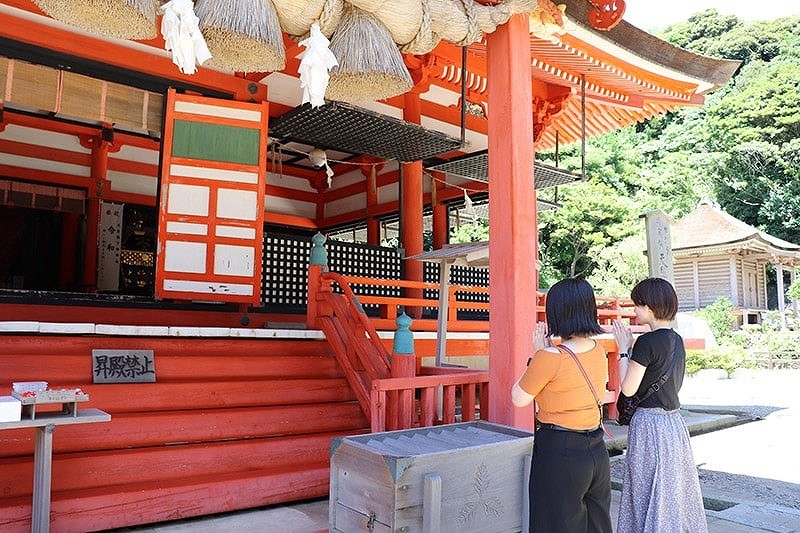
[{"x": 745, "y": 435}]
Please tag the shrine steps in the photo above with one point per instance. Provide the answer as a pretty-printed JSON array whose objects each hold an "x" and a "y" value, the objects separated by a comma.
[{"x": 229, "y": 424}]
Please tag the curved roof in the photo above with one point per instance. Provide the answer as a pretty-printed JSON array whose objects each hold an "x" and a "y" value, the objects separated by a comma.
[
  {"x": 629, "y": 74},
  {"x": 710, "y": 227}
]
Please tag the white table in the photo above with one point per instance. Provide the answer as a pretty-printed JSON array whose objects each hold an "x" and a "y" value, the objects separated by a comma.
[{"x": 45, "y": 424}]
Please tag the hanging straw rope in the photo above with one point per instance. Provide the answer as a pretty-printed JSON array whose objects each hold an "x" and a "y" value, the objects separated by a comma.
[
  {"x": 121, "y": 19},
  {"x": 242, "y": 35},
  {"x": 370, "y": 65}
]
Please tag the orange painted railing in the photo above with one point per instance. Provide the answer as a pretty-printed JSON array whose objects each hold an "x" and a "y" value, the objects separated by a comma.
[
  {"x": 386, "y": 391},
  {"x": 608, "y": 309},
  {"x": 386, "y": 397},
  {"x": 351, "y": 334},
  {"x": 468, "y": 385}
]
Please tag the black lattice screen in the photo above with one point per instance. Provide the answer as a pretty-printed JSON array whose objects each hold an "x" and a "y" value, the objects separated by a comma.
[
  {"x": 460, "y": 275},
  {"x": 284, "y": 285},
  {"x": 355, "y": 259}
]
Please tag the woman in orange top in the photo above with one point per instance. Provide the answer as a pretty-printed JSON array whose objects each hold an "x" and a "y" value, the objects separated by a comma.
[{"x": 570, "y": 487}]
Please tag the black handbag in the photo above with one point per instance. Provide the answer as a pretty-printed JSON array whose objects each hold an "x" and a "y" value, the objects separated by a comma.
[{"x": 627, "y": 405}]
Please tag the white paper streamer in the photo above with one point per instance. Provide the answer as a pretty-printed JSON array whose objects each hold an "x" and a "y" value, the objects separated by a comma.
[
  {"x": 181, "y": 31},
  {"x": 317, "y": 61}
]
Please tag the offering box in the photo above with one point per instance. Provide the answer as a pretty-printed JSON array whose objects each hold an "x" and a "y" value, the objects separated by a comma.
[{"x": 457, "y": 477}]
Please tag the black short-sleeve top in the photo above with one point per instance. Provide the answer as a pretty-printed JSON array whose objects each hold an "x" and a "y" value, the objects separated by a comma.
[{"x": 654, "y": 351}]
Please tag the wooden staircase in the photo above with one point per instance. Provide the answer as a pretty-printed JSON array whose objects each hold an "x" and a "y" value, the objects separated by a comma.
[{"x": 353, "y": 338}]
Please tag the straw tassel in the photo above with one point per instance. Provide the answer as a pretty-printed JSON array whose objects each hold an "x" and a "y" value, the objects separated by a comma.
[
  {"x": 242, "y": 35},
  {"x": 370, "y": 65},
  {"x": 121, "y": 19}
]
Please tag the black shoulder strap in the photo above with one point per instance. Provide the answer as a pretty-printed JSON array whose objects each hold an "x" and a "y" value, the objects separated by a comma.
[{"x": 656, "y": 386}]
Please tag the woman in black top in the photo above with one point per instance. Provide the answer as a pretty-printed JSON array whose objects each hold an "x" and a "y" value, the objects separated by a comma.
[{"x": 660, "y": 490}]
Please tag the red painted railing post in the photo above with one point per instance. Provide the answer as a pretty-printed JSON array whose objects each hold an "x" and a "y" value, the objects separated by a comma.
[
  {"x": 314, "y": 272},
  {"x": 317, "y": 264},
  {"x": 403, "y": 365},
  {"x": 377, "y": 412}
]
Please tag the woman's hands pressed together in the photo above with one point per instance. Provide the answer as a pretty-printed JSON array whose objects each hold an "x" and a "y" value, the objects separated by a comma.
[
  {"x": 623, "y": 336},
  {"x": 540, "y": 338}
]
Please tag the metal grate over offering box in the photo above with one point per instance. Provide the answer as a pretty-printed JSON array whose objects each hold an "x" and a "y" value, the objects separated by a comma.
[{"x": 459, "y": 477}]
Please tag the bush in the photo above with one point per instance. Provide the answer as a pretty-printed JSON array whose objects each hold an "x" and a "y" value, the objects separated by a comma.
[
  {"x": 727, "y": 357},
  {"x": 720, "y": 319}
]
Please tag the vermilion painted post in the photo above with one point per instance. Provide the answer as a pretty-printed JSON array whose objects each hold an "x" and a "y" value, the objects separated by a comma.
[
  {"x": 403, "y": 366},
  {"x": 411, "y": 215},
  {"x": 98, "y": 173},
  {"x": 317, "y": 263},
  {"x": 373, "y": 225},
  {"x": 440, "y": 222},
  {"x": 512, "y": 212}
]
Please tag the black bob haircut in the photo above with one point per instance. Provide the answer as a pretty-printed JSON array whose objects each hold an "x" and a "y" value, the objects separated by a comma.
[
  {"x": 571, "y": 309},
  {"x": 657, "y": 294}
]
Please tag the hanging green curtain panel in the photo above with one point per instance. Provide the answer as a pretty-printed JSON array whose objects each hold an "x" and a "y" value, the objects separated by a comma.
[{"x": 215, "y": 142}]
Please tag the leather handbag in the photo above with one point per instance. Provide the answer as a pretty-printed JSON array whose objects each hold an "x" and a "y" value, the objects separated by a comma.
[{"x": 627, "y": 405}]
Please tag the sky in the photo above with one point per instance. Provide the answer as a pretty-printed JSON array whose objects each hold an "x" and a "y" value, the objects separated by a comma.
[{"x": 656, "y": 14}]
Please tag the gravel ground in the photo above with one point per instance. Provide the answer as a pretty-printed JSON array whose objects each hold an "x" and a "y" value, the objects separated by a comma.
[{"x": 755, "y": 461}]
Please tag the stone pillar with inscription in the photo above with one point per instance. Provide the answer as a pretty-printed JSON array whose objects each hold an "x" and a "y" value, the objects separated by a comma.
[{"x": 659, "y": 245}]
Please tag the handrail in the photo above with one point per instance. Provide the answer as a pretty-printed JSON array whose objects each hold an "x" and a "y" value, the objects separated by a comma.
[
  {"x": 409, "y": 284},
  {"x": 358, "y": 312},
  {"x": 608, "y": 308},
  {"x": 467, "y": 381}
]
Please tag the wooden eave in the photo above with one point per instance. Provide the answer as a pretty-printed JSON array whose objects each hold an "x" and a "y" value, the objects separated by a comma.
[
  {"x": 630, "y": 75},
  {"x": 753, "y": 246}
]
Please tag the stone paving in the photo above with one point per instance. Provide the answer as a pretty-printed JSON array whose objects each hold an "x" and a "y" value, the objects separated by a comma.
[{"x": 745, "y": 435}]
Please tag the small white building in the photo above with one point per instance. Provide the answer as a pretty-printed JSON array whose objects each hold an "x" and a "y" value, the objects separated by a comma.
[{"x": 716, "y": 255}]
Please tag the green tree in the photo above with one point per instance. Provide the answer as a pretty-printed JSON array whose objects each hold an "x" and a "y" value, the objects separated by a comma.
[
  {"x": 470, "y": 232},
  {"x": 591, "y": 217},
  {"x": 620, "y": 266}
]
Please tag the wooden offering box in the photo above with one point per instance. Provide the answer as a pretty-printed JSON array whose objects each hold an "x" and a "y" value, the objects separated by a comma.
[{"x": 458, "y": 477}]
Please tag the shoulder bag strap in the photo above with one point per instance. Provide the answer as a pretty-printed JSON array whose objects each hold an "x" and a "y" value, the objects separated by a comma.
[
  {"x": 597, "y": 399},
  {"x": 656, "y": 386}
]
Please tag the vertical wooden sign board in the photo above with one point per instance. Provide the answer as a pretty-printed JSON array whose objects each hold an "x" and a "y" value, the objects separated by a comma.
[{"x": 211, "y": 217}]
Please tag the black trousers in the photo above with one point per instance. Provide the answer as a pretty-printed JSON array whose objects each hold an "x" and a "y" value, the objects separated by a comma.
[{"x": 570, "y": 487}]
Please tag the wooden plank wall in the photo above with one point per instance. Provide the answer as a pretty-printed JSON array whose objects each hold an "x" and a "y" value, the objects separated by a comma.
[
  {"x": 684, "y": 282},
  {"x": 715, "y": 278},
  {"x": 230, "y": 424}
]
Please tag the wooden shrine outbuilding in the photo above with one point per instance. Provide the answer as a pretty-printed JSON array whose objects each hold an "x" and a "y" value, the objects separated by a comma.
[
  {"x": 717, "y": 255},
  {"x": 169, "y": 215}
]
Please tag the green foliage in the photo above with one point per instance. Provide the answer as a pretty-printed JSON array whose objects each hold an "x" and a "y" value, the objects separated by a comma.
[
  {"x": 726, "y": 357},
  {"x": 794, "y": 290},
  {"x": 592, "y": 216},
  {"x": 701, "y": 29},
  {"x": 720, "y": 319},
  {"x": 620, "y": 266},
  {"x": 470, "y": 232}
]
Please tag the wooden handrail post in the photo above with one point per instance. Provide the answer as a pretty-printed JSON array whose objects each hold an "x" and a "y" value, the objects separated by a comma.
[
  {"x": 403, "y": 365},
  {"x": 317, "y": 264}
]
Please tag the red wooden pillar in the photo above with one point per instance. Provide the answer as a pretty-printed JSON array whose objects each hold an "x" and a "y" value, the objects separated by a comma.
[
  {"x": 95, "y": 192},
  {"x": 512, "y": 215},
  {"x": 441, "y": 230},
  {"x": 411, "y": 215},
  {"x": 69, "y": 248}
]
